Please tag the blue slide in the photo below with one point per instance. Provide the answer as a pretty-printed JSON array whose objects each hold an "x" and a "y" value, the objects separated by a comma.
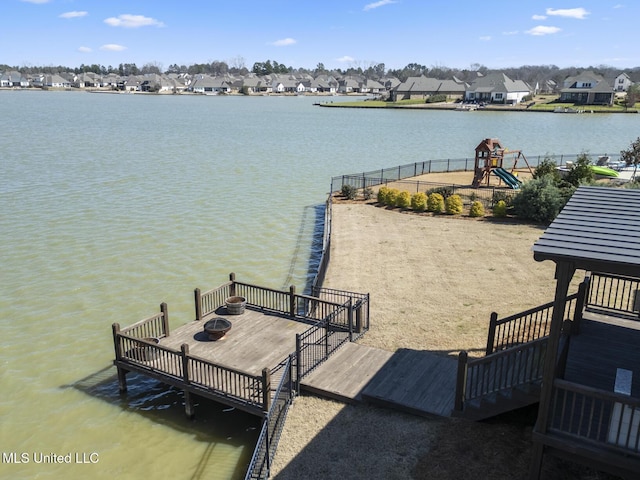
[{"x": 507, "y": 177}]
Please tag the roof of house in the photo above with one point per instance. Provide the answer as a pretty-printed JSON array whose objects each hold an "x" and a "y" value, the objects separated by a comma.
[
  {"x": 498, "y": 82},
  {"x": 597, "y": 230}
]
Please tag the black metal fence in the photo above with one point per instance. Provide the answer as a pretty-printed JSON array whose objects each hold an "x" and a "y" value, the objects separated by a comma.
[
  {"x": 614, "y": 294},
  {"x": 272, "y": 424},
  {"x": 401, "y": 172}
]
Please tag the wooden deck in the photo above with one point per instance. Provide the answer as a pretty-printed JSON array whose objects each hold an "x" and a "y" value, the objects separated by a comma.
[
  {"x": 345, "y": 374},
  {"x": 617, "y": 343},
  {"x": 417, "y": 382},
  {"x": 257, "y": 340}
]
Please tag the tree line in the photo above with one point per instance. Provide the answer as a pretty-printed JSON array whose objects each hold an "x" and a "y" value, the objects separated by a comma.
[{"x": 531, "y": 74}]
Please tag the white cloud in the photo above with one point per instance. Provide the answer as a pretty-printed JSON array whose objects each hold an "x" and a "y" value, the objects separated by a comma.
[
  {"x": 579, "y": 13},
  {"x": 512, "y": 32},
  {"x": 485, "y": 38},
  {"x": 539, "y": 17},
  {"x": 543, "y": 30},
  {"x": 113, "y": 47},
  {"x": 284, "y": 42},
  {"x": 381, "y": 3},
  {"x": 618, "y": 6},
  {"x": 346, "y": 59},
  {"x": 73, "y": 14},
  {"x": 133, "y": 21},
  {"x": 84, "y": 49},
  {"x": 38, "y": 2}
]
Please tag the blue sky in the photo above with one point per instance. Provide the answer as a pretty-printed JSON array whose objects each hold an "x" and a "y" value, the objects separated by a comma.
[{"x": 337, "y": 33}]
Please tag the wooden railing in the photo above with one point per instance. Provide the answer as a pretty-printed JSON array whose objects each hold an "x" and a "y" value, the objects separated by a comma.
[
  {"x": 597, "y": 417},
  {"x": 180, "y": 368},
  {"x": 616, "y": 294},
  {"x": 209, "y": 301},
  {"x": 156, "y": 326},
  {"x": 531, "y": 324},
  {"x": 505, "y": 369}
]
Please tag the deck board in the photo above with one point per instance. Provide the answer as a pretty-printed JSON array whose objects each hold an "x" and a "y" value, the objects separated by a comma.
[
  {"x": 257, "y": 340},
  {"x": 617, "y": 343},
  {"x": 417, "y": 382},
  {"x": 343, "y": 376}
]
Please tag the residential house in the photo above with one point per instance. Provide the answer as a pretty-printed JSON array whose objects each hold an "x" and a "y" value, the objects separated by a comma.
[
  {"x": 587, "y": 88},
  {"x": 417, "y": 88},
  {"x": 208, "y": 85},
  {"x": 55, "y": 81},
  {"x": 13, "y": 79},
  {"x": 496, "y": 88},
  {"x": 621, "y": 82}
]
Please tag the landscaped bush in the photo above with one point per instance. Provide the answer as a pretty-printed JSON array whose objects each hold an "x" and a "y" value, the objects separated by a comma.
[
  {"x": 391, "y": 197},
  {"x": 453, "y": 205},
  {"x": 368, "y": 193},
  {"x": 540, "y": 200},
  {"x": 501, "y": 195},
  {"x": 419, "y": 202},
  {"x": 435, "y": 203},
  {"x": 444, "y": 191},
  {"x": 382, "y": 195},
  {"x": 500, "y": 209},
  {"x": 403, "y": 200},
  {"x": 436, "y": 98},
  {"x": 477, "y": 209},
  {"x": 349, "y": 192}
]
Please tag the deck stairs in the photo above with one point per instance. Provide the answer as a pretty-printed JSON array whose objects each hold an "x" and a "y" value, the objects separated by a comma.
[{"x": 502, "y": 381}]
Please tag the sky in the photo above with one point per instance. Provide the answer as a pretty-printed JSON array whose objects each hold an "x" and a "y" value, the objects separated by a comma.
[{"x": 336, "y": 33}]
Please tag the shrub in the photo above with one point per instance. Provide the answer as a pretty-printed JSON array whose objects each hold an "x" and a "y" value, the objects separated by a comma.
[
  {"x": 419, "y": 202},
  {"x": 547, "y": 167},
  {"x": 500, "y": 209},
  {"x": 435, "y": 202},
  {"x": 539, "y": 200},
  {"x": 501, "y": 195},
  {"x": 581, "y": 172},
  {"x": 382, "y": 195},
  {"x": 368, "y": 193},
  {"x": 444, "y": 191},
  {"x": 403, "y": 200},
  {"x": 436, "y": 98},
  {"x": 349, "y": 191},
  {"x": 390, "y": 198},
  {"x": 477, "y": 209},
  {"x": 453, "y": 205}
]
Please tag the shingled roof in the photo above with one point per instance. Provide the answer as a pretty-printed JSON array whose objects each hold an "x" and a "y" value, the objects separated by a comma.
[{"x": 597, "y": 230}]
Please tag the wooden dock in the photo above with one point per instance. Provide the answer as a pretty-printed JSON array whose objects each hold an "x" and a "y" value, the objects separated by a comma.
[
  {"x": 257, "y": 340},
  {"x": 418, "y": 382}
]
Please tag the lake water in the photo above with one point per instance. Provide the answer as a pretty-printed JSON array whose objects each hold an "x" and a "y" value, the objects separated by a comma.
[{"x": 112, "y": 204}]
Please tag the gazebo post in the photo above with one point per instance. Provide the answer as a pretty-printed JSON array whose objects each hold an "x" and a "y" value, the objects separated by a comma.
[{"x": 564, "y": 273}]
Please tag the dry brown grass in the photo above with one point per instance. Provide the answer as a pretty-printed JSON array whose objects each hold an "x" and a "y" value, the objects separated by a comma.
[{"x": 433, "y": 281}]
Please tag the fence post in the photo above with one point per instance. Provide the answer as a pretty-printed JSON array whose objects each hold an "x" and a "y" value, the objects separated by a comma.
[
  {"x": 492, "y": 333},
  {"x": 122, "y": 373},
  {"x": 326, "y": 338},
  {"x": 188, "y": 401},
  {"x": 461, "y": 381},
  {"x": 165, "y": 318},
  {"x": 350, "y": 320},
  {"x": 198, "y": 301},
  {"x": 364, "y": 181},
  {"x": 581, "y": 303},
  {"x": 266, "y": 389},
  {"x": 232, "y": 288},
  {"x": 298, "y": 363},
  {"x": 292, "y": 301}
]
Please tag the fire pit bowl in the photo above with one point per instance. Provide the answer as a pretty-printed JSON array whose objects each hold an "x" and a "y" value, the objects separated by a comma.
[{"x": 217, "y": 327}]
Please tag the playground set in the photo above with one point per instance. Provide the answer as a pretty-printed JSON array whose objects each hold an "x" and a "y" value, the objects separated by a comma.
[{"x": 490, "y": 158}]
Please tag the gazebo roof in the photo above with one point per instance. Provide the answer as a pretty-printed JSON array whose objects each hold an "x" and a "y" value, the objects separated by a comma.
[{"x": 597, "y": 230}]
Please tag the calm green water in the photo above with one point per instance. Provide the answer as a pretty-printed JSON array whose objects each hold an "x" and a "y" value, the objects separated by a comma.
[{"x": 112, "y": 204}]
